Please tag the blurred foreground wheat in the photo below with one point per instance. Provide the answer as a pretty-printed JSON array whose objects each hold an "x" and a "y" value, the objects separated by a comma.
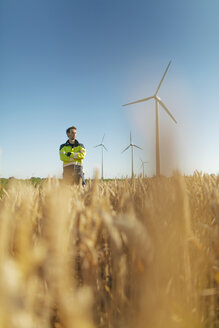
[{"x": 140, "y": 253}]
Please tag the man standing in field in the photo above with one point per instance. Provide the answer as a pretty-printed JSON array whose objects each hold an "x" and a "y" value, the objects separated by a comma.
[{"x": 72, "y": 154}]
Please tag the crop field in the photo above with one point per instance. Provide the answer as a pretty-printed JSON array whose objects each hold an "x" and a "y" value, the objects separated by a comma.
[{"x": 122, "y": 253}]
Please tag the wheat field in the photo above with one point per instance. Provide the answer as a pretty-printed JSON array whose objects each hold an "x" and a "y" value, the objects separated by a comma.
[{"x": 122, "y": 253}]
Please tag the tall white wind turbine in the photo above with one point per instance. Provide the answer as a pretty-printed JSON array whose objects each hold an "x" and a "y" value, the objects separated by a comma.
[
  {"x": 142, "y": 166},
  {"x": 102, "y": 146},
  {"x": 157, "y": 102},
  {"x": 131, "y": 145}
]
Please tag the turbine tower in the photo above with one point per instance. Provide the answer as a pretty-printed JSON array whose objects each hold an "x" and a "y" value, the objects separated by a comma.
[
  {"x": 157, "y": 102},
  {"x": 131, "y": 145},
  {"x": 102, "y": 146},
  {"x": 142, "y": 165}
]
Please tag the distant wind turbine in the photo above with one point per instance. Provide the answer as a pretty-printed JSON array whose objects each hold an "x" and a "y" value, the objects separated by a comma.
[
  {"x": 142, "y": 165},
  {"x": 102, "y": 146},
  {"x": 131, "y": 145},
  {"x": 157, "y": 102}
]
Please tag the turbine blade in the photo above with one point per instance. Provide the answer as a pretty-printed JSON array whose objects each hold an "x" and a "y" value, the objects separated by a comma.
[
  {"x": 125, "y": 149},
  {"x": 105, "y": 148},
  {"x": 138, "y": 101},
  {"x": 130, "y": 138},
  {"x": 137, "y": 147},
  {"x": 103, "y": 138},
  {"x": 97, "y": 146},
  {"x": 168, "y": 112},
  {"x": 161, "y": 81}
]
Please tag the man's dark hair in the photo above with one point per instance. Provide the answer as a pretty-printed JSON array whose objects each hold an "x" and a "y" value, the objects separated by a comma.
[{"x": 72, "y": 127}]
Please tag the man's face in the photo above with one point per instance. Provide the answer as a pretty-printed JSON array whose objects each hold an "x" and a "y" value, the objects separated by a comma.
[{"x": 72, "y": 134}]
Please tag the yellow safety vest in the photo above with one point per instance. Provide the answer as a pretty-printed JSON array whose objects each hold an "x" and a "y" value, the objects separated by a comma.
[{"x": 77, "y": 155}]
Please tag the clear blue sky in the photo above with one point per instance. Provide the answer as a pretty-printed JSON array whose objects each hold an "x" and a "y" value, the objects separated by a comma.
[{"x": 69, "y": 62}]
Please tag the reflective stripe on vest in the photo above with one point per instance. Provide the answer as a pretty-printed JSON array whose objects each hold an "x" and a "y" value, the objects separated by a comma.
[{"x": 72, "y": 163}]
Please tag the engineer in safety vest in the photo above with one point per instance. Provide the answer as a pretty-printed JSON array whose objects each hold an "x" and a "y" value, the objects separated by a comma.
[{"x": 72, "y": 154}]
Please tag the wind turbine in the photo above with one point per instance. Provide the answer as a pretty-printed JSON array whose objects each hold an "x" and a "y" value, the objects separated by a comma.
[
  {"x": 157, "y": 102},
  {"x": 131, "y": 145},
  {"x": 102, "y": 145},
  {"x": 142, "y": 165}
]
